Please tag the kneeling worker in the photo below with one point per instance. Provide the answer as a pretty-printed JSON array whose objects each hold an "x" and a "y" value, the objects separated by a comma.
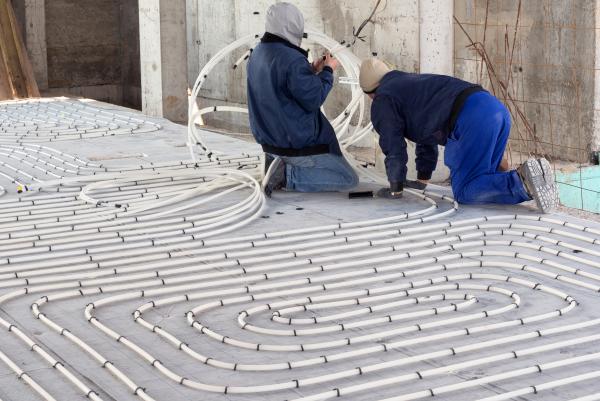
[
  {"x": 473, "y": 125},
  {"x": 285, "y": 95}
]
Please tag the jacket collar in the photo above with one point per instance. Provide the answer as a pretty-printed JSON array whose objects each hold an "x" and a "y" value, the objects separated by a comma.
[
  {"x": 270, "y": 38},
  {"x": 385, "y": 78}
]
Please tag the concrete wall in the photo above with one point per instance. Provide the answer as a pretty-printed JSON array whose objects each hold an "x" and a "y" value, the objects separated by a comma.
[
  {"x": 93, "y": 50},
  {"x": 555, "y": 70},
  {"x": 90, "y": 47},
  {"x": 395, "y": 37},
  {"x": 174, "y": 59},
  {"x": 83, "y": 41},
  {"x": 130, "y": 53},
  {"x": 164, "y": 55},
  {"x": 555, "y": 67},
  {"x": 19, "y": 9}
]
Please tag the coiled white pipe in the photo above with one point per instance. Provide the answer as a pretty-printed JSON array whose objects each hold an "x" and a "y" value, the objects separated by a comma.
[
  {"x": 60, "y": 256},
  {"x": 548, "y": 386},
  {"x": 551, "y": 230},
  {"x": 48, "y": 120}
]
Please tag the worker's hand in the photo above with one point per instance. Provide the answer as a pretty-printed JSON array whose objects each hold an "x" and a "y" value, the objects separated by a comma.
[
  {"x": 331, "y": 62},
  {"x": 418, "y": 184},
  {"x": 318, "y": 65},
  {"x": 388, "y": 194}
]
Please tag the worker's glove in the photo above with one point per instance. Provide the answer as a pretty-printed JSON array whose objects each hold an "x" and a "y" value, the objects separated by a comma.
[
  {"x": 415, "y": 185},
  {"x": 393, "y": 192}
]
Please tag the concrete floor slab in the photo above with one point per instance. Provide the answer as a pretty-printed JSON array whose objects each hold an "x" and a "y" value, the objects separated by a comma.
[{"x": 527, "y": 268}]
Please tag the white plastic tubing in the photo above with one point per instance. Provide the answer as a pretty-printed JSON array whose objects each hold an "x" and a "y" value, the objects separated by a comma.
[
  {"x": 329, "y": 295},
  {"x": 133, "y": 200},
  {"x": 39, "y": 168},
  {"x": 55, "y": 264},
  {"x": 61, "y": 119},
  {"x": 350, "y": 126},
  {"x": 146, "y": 191},
  {"x": 202, "y": 183},
  {"x": 329, "y": 268}
]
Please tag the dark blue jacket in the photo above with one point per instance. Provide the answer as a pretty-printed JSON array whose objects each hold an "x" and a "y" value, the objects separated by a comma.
[
  {"x": 418, "y": 107},
  {"x": 285, "y": 98}
]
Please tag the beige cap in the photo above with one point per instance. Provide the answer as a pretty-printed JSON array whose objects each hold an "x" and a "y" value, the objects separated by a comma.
[{"x": 371, "y": 73}]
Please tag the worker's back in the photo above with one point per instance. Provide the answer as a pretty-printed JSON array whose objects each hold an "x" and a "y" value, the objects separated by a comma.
[
  {"x": 423, "y": 101},
  {"x": 285, "y": 96}
]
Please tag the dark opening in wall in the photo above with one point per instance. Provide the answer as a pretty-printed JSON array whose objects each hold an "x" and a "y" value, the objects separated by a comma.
[{"x": 93, "y": 49}]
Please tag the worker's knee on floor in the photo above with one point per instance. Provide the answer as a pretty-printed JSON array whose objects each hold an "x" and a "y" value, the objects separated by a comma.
[
  {"x": 459, "y": 197},
  {"x": 472, "y": 196},
  {"x": 464, "y": 197},
  {"x": 348, "y": 181},
  {"x": 465, "y": 200},
  {"x": 347, "y": 178},
  {"x": 354, "y": 180}
]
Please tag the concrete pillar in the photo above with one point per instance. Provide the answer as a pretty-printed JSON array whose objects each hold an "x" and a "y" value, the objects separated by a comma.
[
  {"x": 163, "y": 56},
  {"x": 35, "y": 39},
  {"x": 436, "y": 44},
  {"x": 193, "y": 41},
  {"x": 436, "y": 56}
]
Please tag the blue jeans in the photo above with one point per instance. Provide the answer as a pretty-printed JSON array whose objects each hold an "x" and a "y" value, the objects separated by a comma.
[
  {"x": 474, "y": 151},
  {"x": 319, "y": 173}
]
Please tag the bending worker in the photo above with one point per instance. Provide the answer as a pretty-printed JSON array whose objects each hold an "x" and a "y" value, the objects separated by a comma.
[
  {"x": 285, "y": 95},
  {"x": 473, "y": 125}
]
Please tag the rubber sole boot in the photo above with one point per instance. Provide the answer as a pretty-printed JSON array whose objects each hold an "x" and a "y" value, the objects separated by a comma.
[
  {"x": 273, "y": 174},
  {"x": 538, "y": 179}
]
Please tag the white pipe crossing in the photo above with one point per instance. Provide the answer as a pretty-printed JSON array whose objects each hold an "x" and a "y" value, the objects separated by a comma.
[{"x": 309, "y": 305}]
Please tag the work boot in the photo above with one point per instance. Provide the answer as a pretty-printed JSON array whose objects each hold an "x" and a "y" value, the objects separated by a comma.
[
  {"x": 538, "y": 179},
  {"x": 275, "y": 179}
]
